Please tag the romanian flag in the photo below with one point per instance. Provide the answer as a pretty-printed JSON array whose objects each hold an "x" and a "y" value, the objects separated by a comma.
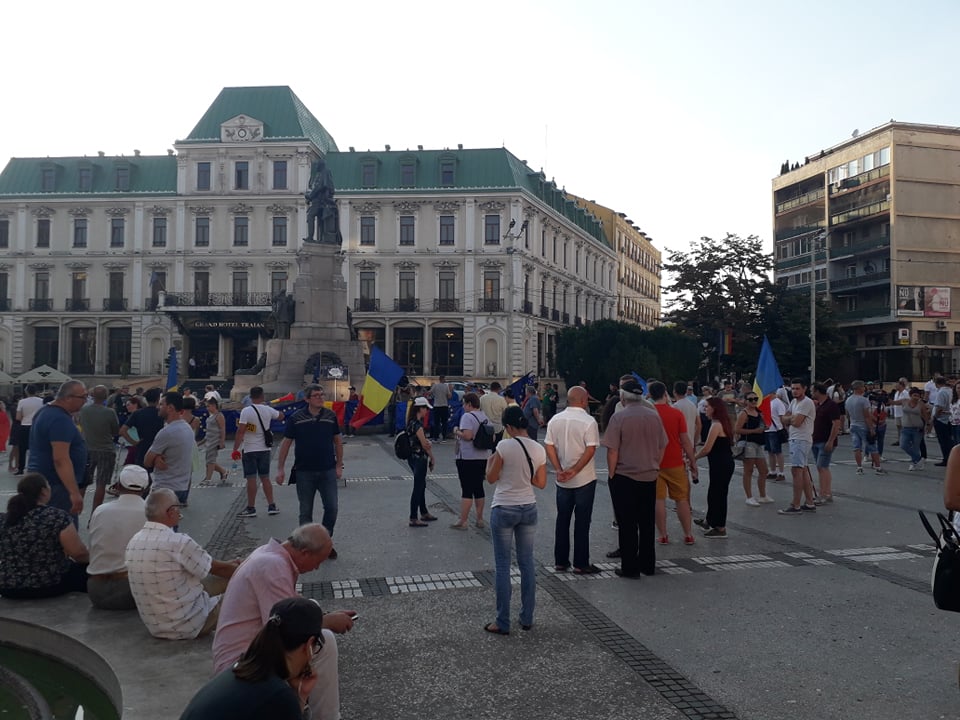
[
  {"x": 767, "y": 380},
  {"x": 172, "y": 383},
  {"x": 378, "y": 387},
  {"x": 726, "y": 342}
]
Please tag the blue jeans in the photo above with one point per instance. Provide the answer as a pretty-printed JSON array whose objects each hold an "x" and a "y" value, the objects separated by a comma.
[
  {"x": 910, "y": 442},
  {"x": 507, "y": 522},
  {"x": 881, "y": 434},
  {"x": 311, "y": 482},
  {"x": 418, "y": 498},
  {"x": 574, "y": 503}
]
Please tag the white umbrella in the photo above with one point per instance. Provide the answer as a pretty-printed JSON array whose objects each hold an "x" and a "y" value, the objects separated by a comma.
[
  {"x": 43, "y": 375},
  {"x": 5, "y": 379}
]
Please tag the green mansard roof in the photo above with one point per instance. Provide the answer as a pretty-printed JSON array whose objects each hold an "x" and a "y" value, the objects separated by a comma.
[
  {"x": 148, "y": 175},
  {"x": 283, "y": 115}
]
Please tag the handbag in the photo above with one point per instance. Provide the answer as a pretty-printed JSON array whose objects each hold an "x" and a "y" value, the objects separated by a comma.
[
  {"x": 945, "y": 577},
  {"x": 738, "y": 448}
]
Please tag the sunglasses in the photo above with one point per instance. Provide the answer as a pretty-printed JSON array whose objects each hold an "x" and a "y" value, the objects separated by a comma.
[{"x": 753, "y": 399}]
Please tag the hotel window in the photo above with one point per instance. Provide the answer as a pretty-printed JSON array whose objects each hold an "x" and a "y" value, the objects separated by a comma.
[
  {"x": 491, "y": 285},
  {"x": 4, "y": 233},
  {"x": 408, "y": 174},
  {"x": 241, "y": 231},
  {"x": 543, "y": 243},
  {"x": 280, "y": 232},
  {"x": 117, "y": 229},
  {"x": 241, "y": 175},
  {"x": 368, "y": 289},
  {"x": 201, "y": 232},
  {"x": 4, "y": 291},
  {"x": 447, "y": 173},
  {"x": 279, "y": 174},
  {"x": 85, "y": 179},
  {"x": 78, "y": 287},
  {"x": 446, "y": 291},
  {"x": 491, "y": 230},
  {"x": 407, "y": 226},
  {"x": 554, "y": 248},
  {"x": 159, "y": 232},
  {"x": 447, "y": 230},
  {"x": 43, "y": 233},
  {"x": 278, "y": 282},
  {"x": 80, "y": 233},
  {"x": 122, "y": 176},
  {"x": 368, "y": 230},
  {"x": 41, "y": 286},
  {"x": 368, "y": 175},
  {"x": 203, "y": 176},
  {"x": 47, "y": 179},
  {"x": 240, "y": 287}
]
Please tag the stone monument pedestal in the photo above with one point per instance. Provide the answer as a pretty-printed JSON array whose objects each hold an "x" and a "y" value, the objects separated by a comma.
[{"x": 319, "y": 326}]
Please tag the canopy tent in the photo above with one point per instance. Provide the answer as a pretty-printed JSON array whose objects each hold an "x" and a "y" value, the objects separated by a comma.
[
  {"x": 43, "y": 375},
  {"x": 5, "y": 379}
]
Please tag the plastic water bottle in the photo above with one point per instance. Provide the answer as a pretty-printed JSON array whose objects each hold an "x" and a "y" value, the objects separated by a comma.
[{"x": 234, "y": 473}]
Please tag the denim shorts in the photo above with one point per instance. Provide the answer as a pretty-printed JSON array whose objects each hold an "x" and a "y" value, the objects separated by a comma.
[
  {"x": 799, "y": 449},
  {"x": 821, "y": 456},
  {"x": 773, "y": 442},
  {"x": 256, "y": 463},
  {"x": 858, "y": 433}
]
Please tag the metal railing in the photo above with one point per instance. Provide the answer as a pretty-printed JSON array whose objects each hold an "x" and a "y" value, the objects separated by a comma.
[
  {"x": 406, "y": 305},
  {"x": 858, "y": 180},
  {"x": 555, "y": 315},
  {"x": 366, "y": 304},
  {"x": 545, "y": 312},
  {"x": 40, "y": 304},
  {"x": 115, "y": 304},
  {"x": 446, "y": 305},
  {"x": 490, "y": 305},
  {"x": 874, "y": 208},
  {"x": 881, "y": 242},
  {"x": 5, "y": 305},
  {"x": 218, "y": 299},
  {"x": 860, "y": 280},
  {"x": 804, "y": 199},
  {"x": 77, "y": 305},
  {"x": 528, "y": 307},
  {"x": 578, "y": 321},
  {"x": 566, "y": 318}
]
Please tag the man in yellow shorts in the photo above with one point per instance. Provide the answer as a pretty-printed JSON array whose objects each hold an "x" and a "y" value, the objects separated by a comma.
[{"x": 672, "y": 479}]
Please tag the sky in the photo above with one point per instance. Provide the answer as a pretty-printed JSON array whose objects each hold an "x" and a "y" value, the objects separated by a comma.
[{"x": 678, "y": 113}]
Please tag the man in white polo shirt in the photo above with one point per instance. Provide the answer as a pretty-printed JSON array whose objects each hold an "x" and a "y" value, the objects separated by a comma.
[{"x": 26, "y": 409}]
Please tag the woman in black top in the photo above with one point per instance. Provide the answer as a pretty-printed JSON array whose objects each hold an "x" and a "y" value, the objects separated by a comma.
[
  {"x": 421, "y": 458},
  {"x": 750, "y": 427},
  {"x": 717, "y": 451}
]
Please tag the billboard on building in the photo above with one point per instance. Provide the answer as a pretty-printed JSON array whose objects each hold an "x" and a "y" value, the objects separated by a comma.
[{"x": 920, "y": 301}]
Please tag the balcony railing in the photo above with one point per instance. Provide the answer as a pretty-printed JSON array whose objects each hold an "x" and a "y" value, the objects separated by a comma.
[
  {"x": 218, "y": 299},
  {"x": 490, "y": 305},
  {"x": 366, "y": 304},
  {"x": 446, "y": 305},
  {"x": 793, "y": 232},
  {"x": 860, "y": 212},
  {"x": 860, "y": 280},
  {"x": 5, "y": 305},
  {"x": 566, "y": 318},
  {"x": 545, "y": 312},
  {"x": 406, "y": 305},
  {"x": 800, "y": 260},
  {"x": 861, "y": 179},
  {"x": 77, "y": 305},
  {"x": 40, "y": 304},
  {"x": 881, "y": 242},
  {"x": 115, "y": 304},
  {"x": 804, "y": 199},
  {"x": 863, "y": 313},
  {"x": 528, "y": 307},
  {"x": 555, "y": 315},
  {"x": 578, "y": 321}
]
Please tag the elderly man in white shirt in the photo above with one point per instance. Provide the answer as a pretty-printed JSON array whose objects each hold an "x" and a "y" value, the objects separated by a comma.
[
  {"x": 571, "y": 442},
  {"x": 169, "y": 575}
]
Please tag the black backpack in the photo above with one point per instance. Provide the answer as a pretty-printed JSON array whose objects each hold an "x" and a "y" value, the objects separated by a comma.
[
  {"x": 402, "y": 447},
  {"x": 484, "y": 438}
]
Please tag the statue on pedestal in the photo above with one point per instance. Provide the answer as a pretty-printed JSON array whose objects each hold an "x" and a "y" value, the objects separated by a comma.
[
  {"x": 284, "y": 311},
  {"x": 323, "y": 217}
]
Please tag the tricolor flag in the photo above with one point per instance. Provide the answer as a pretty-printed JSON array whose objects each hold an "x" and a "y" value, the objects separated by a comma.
[
  {"x": 767, "y": 380},
  {"x": 378, "y": 387},
  {"x": 172, "y": 383},
  {"x": 726, "y": 342}
]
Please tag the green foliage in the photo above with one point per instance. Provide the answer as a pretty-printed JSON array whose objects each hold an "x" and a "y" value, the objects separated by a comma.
[{"x": 601, "y": 352}]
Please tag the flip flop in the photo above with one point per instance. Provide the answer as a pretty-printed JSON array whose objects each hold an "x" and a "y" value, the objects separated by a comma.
[{"x": 492, "y": 628}]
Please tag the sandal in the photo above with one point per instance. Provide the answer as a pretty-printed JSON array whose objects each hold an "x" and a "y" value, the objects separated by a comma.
[
  {"x": 417, "y": 523},
  {"x": 492, "y": 628}
]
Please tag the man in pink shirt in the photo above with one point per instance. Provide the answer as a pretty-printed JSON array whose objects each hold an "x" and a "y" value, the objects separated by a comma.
[{"x": 269, "y": 575}]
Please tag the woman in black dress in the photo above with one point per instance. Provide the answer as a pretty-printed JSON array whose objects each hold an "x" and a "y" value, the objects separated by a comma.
[{"x": 717, "y": 451}]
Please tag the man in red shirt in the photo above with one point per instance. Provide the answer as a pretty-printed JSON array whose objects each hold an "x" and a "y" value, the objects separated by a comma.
[{"x": 672, "y": 478}]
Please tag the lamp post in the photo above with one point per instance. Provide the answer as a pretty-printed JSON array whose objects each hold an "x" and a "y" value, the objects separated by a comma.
[{"x": 706, "y": 362}]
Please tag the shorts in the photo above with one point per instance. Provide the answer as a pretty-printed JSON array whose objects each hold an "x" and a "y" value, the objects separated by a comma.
[
  {"x": 858, "y": 434},
  {"x": 773, "y": 442},
  {"x": 821, "y": 455},
  {"x": 256, "y": 463},
  {"x": 211, "y": 452},
  {"x": 673, "y": 481},
  {"x": 752, "y": 451},
  {"x": 799, "y": 449},
  {"x": 472, "y": 473},
  {"x": 100, "y": 467}
]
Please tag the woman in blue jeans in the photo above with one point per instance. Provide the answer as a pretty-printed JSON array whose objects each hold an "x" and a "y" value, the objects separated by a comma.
[
  {"x": 517, "y": 466},
  {"x": 421, "y": 458}
]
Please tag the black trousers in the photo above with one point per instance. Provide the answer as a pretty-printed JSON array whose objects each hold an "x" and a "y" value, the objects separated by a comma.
[
  {"x": 634, "y": 504},
  {"x": 720, "y": 474},
  {"x": 441, "y": 416},
  {"x": 23, "y": 444},
  {"x": 944, "y": 437}
]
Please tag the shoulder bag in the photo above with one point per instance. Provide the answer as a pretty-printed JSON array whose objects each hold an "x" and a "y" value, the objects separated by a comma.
[
  {"x": 945, "y": 578},
  {"x": 267, "y": 435},
  {"x": 529, "y": 460}
]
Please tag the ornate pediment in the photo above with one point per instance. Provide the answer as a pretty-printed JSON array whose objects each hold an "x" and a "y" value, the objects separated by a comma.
[
  {"x": 118, "y": 211},
  {"x": 367, "y": 265},
  {"x": 366, "y": 208},
  {"x": 43, "y": 212},
  {"x": 41, "y": 266},
  {"x": 159, "y": 210},
  {"x": 79, "y": 212},
  {"x": 155, "y": 265},
  {"x": 115, "y": 265},
  {"x": 201, "y": 210},
  {"x": 239, "y": 264},
  {"x": 446, "y": 206},
  {"x": 446, "y": 264},
  {"x": 278, "y": 209},
  {"x": 407, "y": 206},
  {"x": 241, "y": 129},
  {"x": 406, "y": 265},
  {"x": 492, "y": 206},
  {"x": 278, "y": 264},
  {"x": 200, "y": 264},
  {"x": 241, "y": 209},
  {"x": 491, "y": 264},
  {"x": 78, "y": 265}
]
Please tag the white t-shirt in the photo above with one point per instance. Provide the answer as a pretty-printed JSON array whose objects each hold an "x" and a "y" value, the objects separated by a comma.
[
  {"x": 28, "y": 407},
  {"x": 804, "y": 406},
  {"x": 253, "y": 433},
  {"x": 690, "y": 414},
  {"x": 112, "y": 526},
  {"x": 471, "y": 420},
  {"x": 514, "y": 486},
  {"x": 900, "y": 395},
  {"x": 778, "y": 409},
  {"x": 571, "y": 432}
]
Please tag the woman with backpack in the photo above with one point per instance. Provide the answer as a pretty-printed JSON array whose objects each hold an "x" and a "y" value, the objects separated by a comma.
[
  {"x": 474, "y": 444},
  {"x": 421, "y": 457}
]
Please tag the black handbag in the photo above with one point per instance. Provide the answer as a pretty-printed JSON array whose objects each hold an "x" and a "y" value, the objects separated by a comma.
[{"x": 945, "y": 578}]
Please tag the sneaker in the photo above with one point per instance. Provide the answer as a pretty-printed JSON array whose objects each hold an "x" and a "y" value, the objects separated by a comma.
[
  {"x": 272, "y": 509},
  {"x": 859, "y": 470},
  {"x": 883, "y": 459},
  {"x": 250, "y": 512},
  {"x": 808, "y": 508},
  {"x": 919, "y": 465},
  {"x": 753, "y": 502},
  {"x": 764, "y": 500},
  {"x": 715, "y": 534},
  {"x": 780, "y": 476},
  {"x": 911, "y": 467},
  {"x": 701, "y": 522},
  {"x": 790, "y": 510},
  {"x": 333, "y": 554},
  {"x": 880, "y": 471},
  {"x": 689, "y": 540},
  {"x": 771, "y": 476},
  {"x": 823, "y": 500},
  {"x": 613, "y": 554},
  {"x": 664, "y": 540}
]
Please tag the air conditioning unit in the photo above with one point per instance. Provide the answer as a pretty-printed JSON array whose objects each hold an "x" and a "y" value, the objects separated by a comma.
[{"x": 941, "y": 324}]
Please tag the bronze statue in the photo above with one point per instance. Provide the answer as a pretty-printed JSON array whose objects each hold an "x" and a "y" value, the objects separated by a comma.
[
  {"x": 256, "y": 369},
  {"x": 284, "y": 312},
  {"x": 323, "y": 217}
]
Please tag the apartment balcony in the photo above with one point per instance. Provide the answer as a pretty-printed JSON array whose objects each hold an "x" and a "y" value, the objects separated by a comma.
[
  {"x": 555, "y": 315},
  {"x": 115, "y": 304},
  {"x": 881, "y": 242},
  {"x": 875, "y": 278},
  {"x": 805, "y": 199},
  {"x": 861, "y": 179},
  {"x": 799, "y": 260},
  {"x": 566, "y": 318},
  {"x": 40, "y": 304},
  {"x": 544, "y": 312},
  {"x": 528, "y": 307},
  {"x": 366, "y": 304},
  {"x": 5, "y": 305},
  {"x": 77, "y": 305},
  {"x": 794, "y": 232},
  {"x": 578, "y": 321},
  {"x": 446, "y": 305},
  {"x": 858, "y": 213},
  {"x": 217, "y": 299},
  {"x": 880, "y": 311},
  {"x": 406, "y": 305},
  {"x": 490, "y": 305}
]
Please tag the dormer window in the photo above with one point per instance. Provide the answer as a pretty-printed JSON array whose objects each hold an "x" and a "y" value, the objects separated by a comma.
[
  {"x": 408, "y": 172},
  {"x": 368, "y": 174},
  {"x": 48, "y": 176},
  {"x": 85, "y": 179},
  {"x": 448, "y": 176},
  {"x": 122, "y": 178}
]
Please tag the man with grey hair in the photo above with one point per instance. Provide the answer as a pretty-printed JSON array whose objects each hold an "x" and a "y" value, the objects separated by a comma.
[
  {"x": 57, "y": 449},
  {"x": 99, "y": 425},
  {"x": 175, "y": 583},
  {"x": 863, "y": 427},
  {"x": 269, "y": 575}
]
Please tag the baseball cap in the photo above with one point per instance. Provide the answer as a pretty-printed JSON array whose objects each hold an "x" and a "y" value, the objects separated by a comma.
[
  {"x": 297, "y": 619},
  {"x": 422, "y": 402},
  {"x": 134, "y": 477},
  {"x": 632, "y": 387}
]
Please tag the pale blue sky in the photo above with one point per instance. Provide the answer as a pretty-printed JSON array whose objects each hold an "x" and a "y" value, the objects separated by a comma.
[{"x": 676, "y": 113}]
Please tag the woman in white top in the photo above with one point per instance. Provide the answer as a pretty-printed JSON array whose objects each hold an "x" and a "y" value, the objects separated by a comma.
[{"x": 517, "y": 466}]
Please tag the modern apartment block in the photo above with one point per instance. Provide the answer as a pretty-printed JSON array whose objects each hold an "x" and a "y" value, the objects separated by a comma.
[
  {"x": 638, "y": 261},
  {"x": 881, "y": 214}
]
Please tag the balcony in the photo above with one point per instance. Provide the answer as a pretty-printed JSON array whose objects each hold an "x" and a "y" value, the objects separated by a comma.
[
  {"x": 861, "y": 179},
  {"x": 5, "y": 305},
  {"x": 115, "y": 304},
  {"x": 555, "y": 315},
  {"x": 880, "y": 311},
  {"x": 799, "y": 260},
  {"x": 366, "y": 304},
  {"x": 490, "y": 305},
  {"x": 881, "y": 242},
  {"x": 40, "y": 304},
  {"x": 528, "y": 307},
  {"x": 77, "y": 305},
  {"x": 874, "y": 278},
  {"x": 544, "y": 312},
  {"x": 578, "y": 321},
  {"x": 406, "y": 305},
  {"x": 218, "y": 299},
  {"x": 446, "y": 305},
  {"x": 793, "y": 232},
  {"x": 859, "y": 213},
  {"x": 566, "y": 318},
  {"x": 804, "y": 199}
]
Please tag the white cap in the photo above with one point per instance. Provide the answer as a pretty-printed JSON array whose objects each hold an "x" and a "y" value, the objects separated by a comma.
[{"x": 134, "y": 477}]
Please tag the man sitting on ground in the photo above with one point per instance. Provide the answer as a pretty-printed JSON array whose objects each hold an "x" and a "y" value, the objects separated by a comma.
[{"x": 176, "y": 597}]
